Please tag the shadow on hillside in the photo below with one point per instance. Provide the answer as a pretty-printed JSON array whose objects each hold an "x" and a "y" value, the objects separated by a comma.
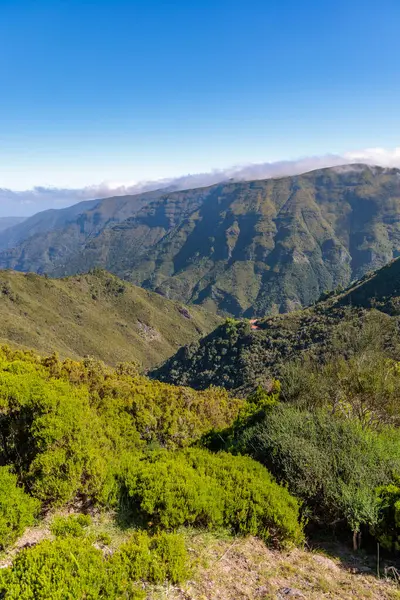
[{"x": 363, "y": 561}]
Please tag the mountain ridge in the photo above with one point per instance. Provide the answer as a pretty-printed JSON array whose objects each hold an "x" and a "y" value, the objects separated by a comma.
[{"x": 240, "y": 248}]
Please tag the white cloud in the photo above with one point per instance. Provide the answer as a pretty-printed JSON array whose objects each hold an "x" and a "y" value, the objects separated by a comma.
[
  {"x": 376, "y": 156},
  {"x": 28, "y": 202}
]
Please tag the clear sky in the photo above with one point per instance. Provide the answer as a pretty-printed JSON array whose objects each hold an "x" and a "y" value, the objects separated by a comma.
[{"x": 113, "y": 90}]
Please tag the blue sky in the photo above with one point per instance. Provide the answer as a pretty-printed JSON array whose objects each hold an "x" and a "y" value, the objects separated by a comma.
[{"x": 121, "y": 91}]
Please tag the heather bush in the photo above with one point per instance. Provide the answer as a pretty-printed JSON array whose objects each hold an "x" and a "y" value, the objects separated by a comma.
[
  {"x": 196, "y": 487},
  {"x": 387, "y": 529},
  {"x": 73, "y": 525},
  {"x": 66, "y": 424},
  {"x": 17, "y": 509},
  {"x": 71, "y": 568}
]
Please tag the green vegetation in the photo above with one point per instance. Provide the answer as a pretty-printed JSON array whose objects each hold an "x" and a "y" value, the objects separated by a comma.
[
  {"x": 95, "y": 315},
  {"x": 57, "y": 234},
  {"x": 316, "y": 450},
  {"x": 387, "y": 529},
  {"x": 66, "y": 425},
  {"x": 345, "y": 325},
  {"x": 17, "y": 509},
  {"x": 73, "y": 526},
  {"x": 205, "y": 490},
  {"x": 80, "y": 433},
  {"x": 329, "y": 430},
  {"x": 240, "y": 248},
  {"x": 72, "y": 568},
  {"x": 333, "y": 464}
]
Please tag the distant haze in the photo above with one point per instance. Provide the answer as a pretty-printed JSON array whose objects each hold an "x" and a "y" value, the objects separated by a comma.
[{"x": 22, "y": 203}]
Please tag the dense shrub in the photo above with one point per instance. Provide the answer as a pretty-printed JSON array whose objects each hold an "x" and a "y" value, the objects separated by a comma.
[
  {"x": 51, "y": 434},
  {"x": 365, "y": 386},
  {"x": 66, "y": 568},
  {"x": 168, "y": 415},
  {"x": 331, "y": 463},
  {"x": 66, "y": 425},
  {"x": 17, "y": 509},
  {"x": 240, "y": 359},
  {"x": 198, "y": 488},
  {"x": 166, "y": 491},
  {"x": 160, "y": 558},
  {"x": 387, "y": 529},
  {"x": 71, "y": 568},
  {"x": 74, "y": 525}
]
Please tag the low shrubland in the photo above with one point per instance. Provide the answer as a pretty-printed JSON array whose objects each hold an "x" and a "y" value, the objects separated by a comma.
[
  {"x": 322, "y": 448},
  {"x": 71, "y": 567},
  {"x": 65, "y": 425},
  {"x": 17, "y": 509},
  {"x": 81, "y": 432}
]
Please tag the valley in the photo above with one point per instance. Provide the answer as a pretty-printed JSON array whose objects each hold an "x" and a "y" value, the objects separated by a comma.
[{"x": 230, "y": 428}]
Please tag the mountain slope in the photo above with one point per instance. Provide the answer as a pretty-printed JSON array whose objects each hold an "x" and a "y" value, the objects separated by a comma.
[
  {"x": 380, "y": 290},
  {"x": 248, "y": 248},
  {"x": 53, "y": 236},
  {"x": 274, "y": 246},
  {"x": 7, "y": 222},
  {"x": 240, "y": 355},
  {"x": 96, "y": 315},
  {"x": 42, "y": 222}
]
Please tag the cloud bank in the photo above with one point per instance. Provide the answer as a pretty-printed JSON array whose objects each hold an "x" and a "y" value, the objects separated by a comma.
[{"x": 29, "y": 202}]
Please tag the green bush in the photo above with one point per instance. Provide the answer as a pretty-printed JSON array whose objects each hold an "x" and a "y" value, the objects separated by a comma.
[
  {"x": 74, "y": 525},
  {"x": 68, "y": 568},
  {"x": 366, "y": 386},
  {"x": 387, "y": 530},
  {"x": 17, "y": 509},
  {"x": 331, "y": 463},
  {"x": 160, "y": 558},
  {"x": 71, "y": 568},
  {"x": 253, "y": 503},
  {"x": 196, "y": 487},
  {"x": 164, "y": 490},
  {"x": 51, "y": 434},
  {"x": 65, "y": 425}
]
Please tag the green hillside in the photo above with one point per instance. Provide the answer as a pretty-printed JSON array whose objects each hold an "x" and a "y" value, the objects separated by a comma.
[
  {"x": 241, "y": 248},
  {"x": 95, "y": 315},
  {"x": 127, "y": 487},
  {"x": 380, "y": 289},
  {"x": 239, "y": 355}
]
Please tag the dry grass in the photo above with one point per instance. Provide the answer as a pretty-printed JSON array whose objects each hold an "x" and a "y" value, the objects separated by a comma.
[{"x": 245, "y": 569}]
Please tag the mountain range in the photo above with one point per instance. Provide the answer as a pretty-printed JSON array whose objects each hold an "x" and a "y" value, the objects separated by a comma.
[{"x": 240, "y": 248}]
